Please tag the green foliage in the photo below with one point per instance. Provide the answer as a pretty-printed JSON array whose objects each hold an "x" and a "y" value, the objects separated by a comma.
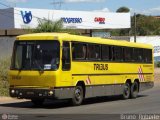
[
  {"x": 123, "y": 9},
  {"x": 4, "y": 84},
  {"x": 157, "y": 64},
  {"x": 45, "y": 25},
  {"x": 146, "y": 25},
  {"x": 48, "y": 26}
]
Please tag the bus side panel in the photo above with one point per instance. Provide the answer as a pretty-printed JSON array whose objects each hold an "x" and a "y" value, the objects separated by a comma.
[{"x": 101, "y": 82}]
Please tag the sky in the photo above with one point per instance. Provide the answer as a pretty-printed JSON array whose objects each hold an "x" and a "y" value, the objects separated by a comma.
[{"x": 148, "y": 7}]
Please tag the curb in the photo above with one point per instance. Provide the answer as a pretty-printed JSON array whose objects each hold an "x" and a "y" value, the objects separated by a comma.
[{"x": 5, "y": 98}]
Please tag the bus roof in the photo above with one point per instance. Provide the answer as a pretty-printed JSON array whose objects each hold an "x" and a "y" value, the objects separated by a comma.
[{"x": 78, "y": 38}]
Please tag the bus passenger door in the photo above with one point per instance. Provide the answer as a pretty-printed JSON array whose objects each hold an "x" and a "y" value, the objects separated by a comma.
[{"x": 66, "y": 64}]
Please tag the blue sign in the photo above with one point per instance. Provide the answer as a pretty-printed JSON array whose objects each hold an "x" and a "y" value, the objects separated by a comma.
[
  {"x": 71, "y": 20},
  {"x": 26, "y": 16}
]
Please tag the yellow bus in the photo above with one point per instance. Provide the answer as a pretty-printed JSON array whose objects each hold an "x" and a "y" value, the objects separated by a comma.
[{"x": 64, "y": 66}]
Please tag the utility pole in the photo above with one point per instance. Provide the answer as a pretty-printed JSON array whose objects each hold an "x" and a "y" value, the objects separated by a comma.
[{"x": 135, "y": 27}]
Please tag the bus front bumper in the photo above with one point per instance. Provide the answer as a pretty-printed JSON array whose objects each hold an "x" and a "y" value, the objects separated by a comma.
[{"x": 29, "y": 93}]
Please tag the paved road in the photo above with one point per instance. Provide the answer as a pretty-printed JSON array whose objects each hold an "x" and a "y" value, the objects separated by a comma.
[{"x": 148, "y": 102}]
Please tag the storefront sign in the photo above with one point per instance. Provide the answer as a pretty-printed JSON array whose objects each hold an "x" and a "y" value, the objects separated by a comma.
[
  {"x": 71, "y": 20},
  {"x": 101, "y": 20}
]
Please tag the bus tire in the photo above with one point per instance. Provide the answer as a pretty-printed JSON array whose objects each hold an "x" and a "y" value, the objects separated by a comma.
[
  {"x": 37, "y": 102},
  {"x": 126, "y": 91},
  {"x": 134, "y": 90},
  {"x": 78, "y": 96}
]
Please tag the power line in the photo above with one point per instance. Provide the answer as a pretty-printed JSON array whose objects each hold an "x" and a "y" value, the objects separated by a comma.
[
  {"x": 57, "y": 3},
  {"x": 4, "y": 4},
  {"x": 18, "y": 11}
]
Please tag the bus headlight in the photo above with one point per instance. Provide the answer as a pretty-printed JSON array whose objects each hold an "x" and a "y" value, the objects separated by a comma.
[
  {"x": 12, "y": 91},
  {"x": 50, "y": 93}
]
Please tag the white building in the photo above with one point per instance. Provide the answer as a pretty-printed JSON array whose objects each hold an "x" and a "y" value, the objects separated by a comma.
[{"x": 21, "y": 18}]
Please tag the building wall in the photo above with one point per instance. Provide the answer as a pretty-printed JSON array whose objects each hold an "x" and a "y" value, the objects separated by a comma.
[
  {"x": 7, "y": 18},
  {"x": 6, "y": 47}
]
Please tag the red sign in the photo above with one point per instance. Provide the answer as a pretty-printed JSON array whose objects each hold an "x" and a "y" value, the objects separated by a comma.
[{"x": 101, "y": 20}]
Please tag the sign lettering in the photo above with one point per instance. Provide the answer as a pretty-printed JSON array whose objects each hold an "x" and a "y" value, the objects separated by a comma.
[
  {"x": 101, "y": 20},
  {"x": 71, "y": 20},
  {"x": 100, "y": 66}
]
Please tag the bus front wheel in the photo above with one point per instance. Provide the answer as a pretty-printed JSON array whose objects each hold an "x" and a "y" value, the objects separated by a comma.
[
  {"x": 134, "y": 90},
  {"x": 78, "y": 97},
  {"x": 126, "y": 91}
]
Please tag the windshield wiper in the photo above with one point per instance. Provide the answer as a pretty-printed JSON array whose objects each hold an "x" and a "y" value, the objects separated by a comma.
[{"x": 39, "y": 66}]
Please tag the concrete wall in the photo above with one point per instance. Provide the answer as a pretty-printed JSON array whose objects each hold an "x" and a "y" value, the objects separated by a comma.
[
  {"x": 13, "y": 32},
  {"x": 6, "y": 46},
  {"x": 7, "y": 18}
]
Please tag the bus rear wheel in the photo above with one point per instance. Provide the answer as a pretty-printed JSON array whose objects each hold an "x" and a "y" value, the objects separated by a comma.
[
  {"x": 126, "y": 91},
  {"x": 134, "y": 90},
  {"x": 78, "y": 96},
  {"x": 37, "y": 102}
]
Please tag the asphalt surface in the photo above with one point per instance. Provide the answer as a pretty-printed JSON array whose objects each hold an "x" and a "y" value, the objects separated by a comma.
[{"x": 148, "y": 102}]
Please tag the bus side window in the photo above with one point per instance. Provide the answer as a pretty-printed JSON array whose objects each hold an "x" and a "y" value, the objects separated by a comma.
[
  {"x": 117, "y": 53},
  {"x": 79, "y": 51},
  {"x": 147, "y": 55},
  {"x": 111, "y": 53},
  {"x": 94, "y": 52},
  {"x": 105, "y": 52},
  {"x": 138, "y": 54},
  {"x": 128, "y": 54},
  {"x": 66, "y": 61}
]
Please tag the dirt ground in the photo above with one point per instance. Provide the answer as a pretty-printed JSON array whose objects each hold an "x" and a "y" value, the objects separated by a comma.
[
  {"x": 157, "y": 74},
  {"x": 157, "y": 77}
]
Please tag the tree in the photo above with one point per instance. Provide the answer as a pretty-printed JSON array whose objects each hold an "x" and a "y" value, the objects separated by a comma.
[
  {"x": 45, "y": 25},
  {"x": 146, "y": 25},
  {"x": 123, "y": 9}
]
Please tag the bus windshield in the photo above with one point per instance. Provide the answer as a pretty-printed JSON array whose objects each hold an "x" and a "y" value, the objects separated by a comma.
[{"x": 36, "y": 55}]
